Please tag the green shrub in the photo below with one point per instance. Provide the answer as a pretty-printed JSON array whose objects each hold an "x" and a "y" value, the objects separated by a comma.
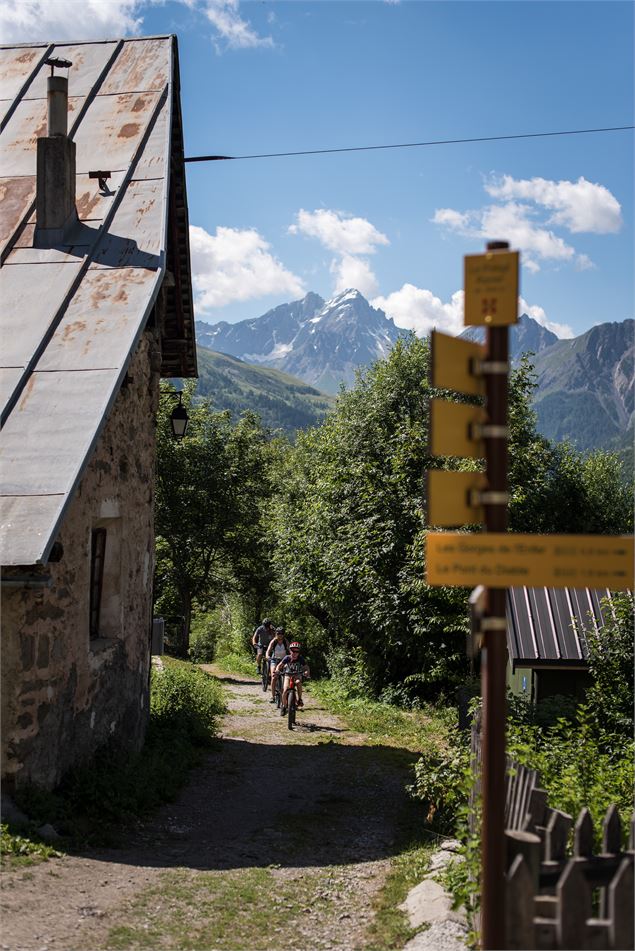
[
  {"x": 204, "y": 633},
  {"x": 579, "y": 764},
  {"x": 184, "y": 700},
  {"x": 94, "y": 800},
  {"x": 442, "y": 781}
]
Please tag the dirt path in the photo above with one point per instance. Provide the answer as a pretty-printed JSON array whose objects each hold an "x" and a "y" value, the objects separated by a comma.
[{"x": 280, "y": 839}]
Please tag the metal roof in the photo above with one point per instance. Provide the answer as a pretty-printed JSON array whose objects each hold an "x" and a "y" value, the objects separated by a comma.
[
  {"x": 546, "y": 626},
  {"x": 72, "y": 314}
]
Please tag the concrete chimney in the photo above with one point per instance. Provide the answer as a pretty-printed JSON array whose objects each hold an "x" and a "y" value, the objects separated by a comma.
[{"x": 55, "y": 208}]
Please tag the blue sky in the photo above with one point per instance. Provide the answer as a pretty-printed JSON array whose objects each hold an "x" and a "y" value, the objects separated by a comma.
[{"x": 263, "y": 77}]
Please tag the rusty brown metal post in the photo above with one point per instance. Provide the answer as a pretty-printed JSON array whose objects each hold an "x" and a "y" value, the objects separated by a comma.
[{"x": 494, "y": 654}]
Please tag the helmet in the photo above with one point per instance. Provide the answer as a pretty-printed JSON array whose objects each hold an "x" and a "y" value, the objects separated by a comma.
[
  {"x": 294, "y": 645},
  {"x": 279, "y": 630},
  {"x": 267, "y": 622}
]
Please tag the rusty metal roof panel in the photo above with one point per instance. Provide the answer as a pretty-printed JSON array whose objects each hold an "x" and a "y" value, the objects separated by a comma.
[
  {"x": 112, "y": 130},
  {"x": 17, "y": 64},
  {"x": 16, "y": 197},
  {"x": 27, "y": 311},
  {"x": 73, "y": 313},
  {"x": 24, "y": 525},
  {"x": 101, "y": 324},
  {"x": 46, "y": 438},
  {"x": 142, "y": 65},
  {"x": 88, "y": 59}
]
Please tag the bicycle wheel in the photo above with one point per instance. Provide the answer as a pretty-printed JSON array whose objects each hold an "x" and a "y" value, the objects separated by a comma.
[
  {"x": 278, "y": 694},
  {"x": 265, "y": 674},
  {"x": 291, "y": 710}
]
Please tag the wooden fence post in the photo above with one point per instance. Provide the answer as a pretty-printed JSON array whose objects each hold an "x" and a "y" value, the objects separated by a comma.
[
  {"x": 574, "y": 907},
  {"x": 519, "y": 907},
  {"x": 620, "y": 907}
]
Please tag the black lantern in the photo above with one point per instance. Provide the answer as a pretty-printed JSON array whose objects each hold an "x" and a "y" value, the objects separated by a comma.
[{"x": 179, "y": 418}]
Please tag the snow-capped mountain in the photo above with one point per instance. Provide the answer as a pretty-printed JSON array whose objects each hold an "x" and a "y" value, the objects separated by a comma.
[{"x": 323, "y": 343}]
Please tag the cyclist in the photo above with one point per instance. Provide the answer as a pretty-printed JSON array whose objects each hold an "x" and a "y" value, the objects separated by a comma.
[
  {"x": 294, "y": 663},
  {"x": 261, "y": 639},
  {"x": 278, "y": 648}
]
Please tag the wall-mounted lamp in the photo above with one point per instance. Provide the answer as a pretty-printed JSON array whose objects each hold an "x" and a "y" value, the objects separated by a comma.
[{"x": 179, "y": 418}]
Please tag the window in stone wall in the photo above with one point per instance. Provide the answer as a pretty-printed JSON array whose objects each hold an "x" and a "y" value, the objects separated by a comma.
[
  {"x": 97, "y": 559},
  {"x": 106, "y": 604}
]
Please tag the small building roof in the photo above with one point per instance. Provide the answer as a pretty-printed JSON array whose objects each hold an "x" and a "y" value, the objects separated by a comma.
[
  {"x": 546, "y": 626},
  {"x": 72, "y": 315}
]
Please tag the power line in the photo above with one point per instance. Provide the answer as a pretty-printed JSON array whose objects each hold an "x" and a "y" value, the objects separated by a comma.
[{"x": 402, "y": 145}]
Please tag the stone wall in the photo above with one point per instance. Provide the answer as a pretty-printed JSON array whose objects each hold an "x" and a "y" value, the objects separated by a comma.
[{"x": 65, "y": 694}]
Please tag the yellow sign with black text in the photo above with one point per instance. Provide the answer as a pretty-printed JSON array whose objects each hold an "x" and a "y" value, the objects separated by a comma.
[
  {"x": 507, "y": 560},
  {"x": 491, "y": 288}
]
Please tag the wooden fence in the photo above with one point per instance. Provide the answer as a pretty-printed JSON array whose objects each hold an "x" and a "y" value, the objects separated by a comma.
[{"x": 560, "y": 894}]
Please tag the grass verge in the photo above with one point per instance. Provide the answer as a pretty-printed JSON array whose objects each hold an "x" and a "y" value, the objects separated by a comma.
[
  {"x": 390, "y": 927},
  {"x": 386, "y": 724},
  {"x": 255, "y": 908}
]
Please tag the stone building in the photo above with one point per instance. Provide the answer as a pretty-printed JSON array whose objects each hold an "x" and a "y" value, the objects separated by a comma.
[{"x": 95, "y": 286}]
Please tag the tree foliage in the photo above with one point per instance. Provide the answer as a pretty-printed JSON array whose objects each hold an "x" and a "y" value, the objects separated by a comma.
[
  {"x": 349, "y": 518},
  {"x": 209, "y": 491}
]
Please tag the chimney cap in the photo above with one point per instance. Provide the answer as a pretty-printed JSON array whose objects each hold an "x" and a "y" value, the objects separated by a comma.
[{"x": 60, "y": 63}]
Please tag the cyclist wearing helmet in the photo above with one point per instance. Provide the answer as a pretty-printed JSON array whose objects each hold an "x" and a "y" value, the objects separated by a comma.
[
  {"x": 294, "y": 663},
  {"x": 278, "y": 648},
  {"x": 262, "y": 636}
]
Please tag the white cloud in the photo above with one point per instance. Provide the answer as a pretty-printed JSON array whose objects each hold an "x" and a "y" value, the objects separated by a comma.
[
  {"x": 236, "y": 32},
  {"x": 415, "y": 308},
  {"x": 348, "y": 237},
  {"x": 338, "y": 233},
  {"x": 32, "y": 21},
  {"x": 578, "y": 206},
  {"x": 512, "y": 222},
  {"x": 235, "y": 265},
  {"x": 530, "y": 212},
  {"x": 563, "y": 331},
  {"x": 354, "y": 272},
  {"x": 418, "y": 309}
]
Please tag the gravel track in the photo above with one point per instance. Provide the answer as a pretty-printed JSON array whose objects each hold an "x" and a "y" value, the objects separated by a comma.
[{"x": 315, "y": 808}]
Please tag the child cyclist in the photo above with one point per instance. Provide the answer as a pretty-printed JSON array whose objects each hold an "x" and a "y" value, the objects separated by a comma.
[
  {"x": 277, "y": 650},
  {"x": 294, "y": 663}
]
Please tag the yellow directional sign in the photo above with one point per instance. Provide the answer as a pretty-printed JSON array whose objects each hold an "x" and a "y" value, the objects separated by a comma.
[
  {"x": 452, "y": 429},
  {"x": 449, "y": 498},
  {"x": 501, "y": 560},
  {"x": 452, "y": 364},
  {"x": 491, "y": 288}
]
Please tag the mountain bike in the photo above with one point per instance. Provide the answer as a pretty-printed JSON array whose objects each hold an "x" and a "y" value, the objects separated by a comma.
[
  {"x": 292, "y": 697},
  {"x": 278, "y": 690}
]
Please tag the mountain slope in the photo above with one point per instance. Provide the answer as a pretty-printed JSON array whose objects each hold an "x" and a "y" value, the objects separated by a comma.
[
  {"x": 282, "y": 401},
  {"x": 322, "y": 343},
  {"x": 586, "y": 387},
  {"x": 526, "y": 335}
]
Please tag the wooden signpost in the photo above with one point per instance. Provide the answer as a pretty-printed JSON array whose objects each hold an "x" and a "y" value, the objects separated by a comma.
[
  {"x": 491, "y": 299},
  {"x": 494, "y": 559}
]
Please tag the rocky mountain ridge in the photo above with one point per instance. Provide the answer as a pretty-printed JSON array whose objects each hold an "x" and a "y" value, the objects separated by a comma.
[{"x": 585, "y": 389}]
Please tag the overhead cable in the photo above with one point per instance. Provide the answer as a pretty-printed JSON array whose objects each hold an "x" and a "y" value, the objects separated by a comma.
[{"x": 403, "y": 145}]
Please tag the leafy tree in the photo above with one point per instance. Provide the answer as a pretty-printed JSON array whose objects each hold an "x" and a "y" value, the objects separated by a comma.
[
  {"x": 611, "y": 696},
  {"x": 349, "y": 518},
  {"x": 554, "y": 488},
  {"x": 350, "y": 528},
  {"x": 209, "y": 491}
]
